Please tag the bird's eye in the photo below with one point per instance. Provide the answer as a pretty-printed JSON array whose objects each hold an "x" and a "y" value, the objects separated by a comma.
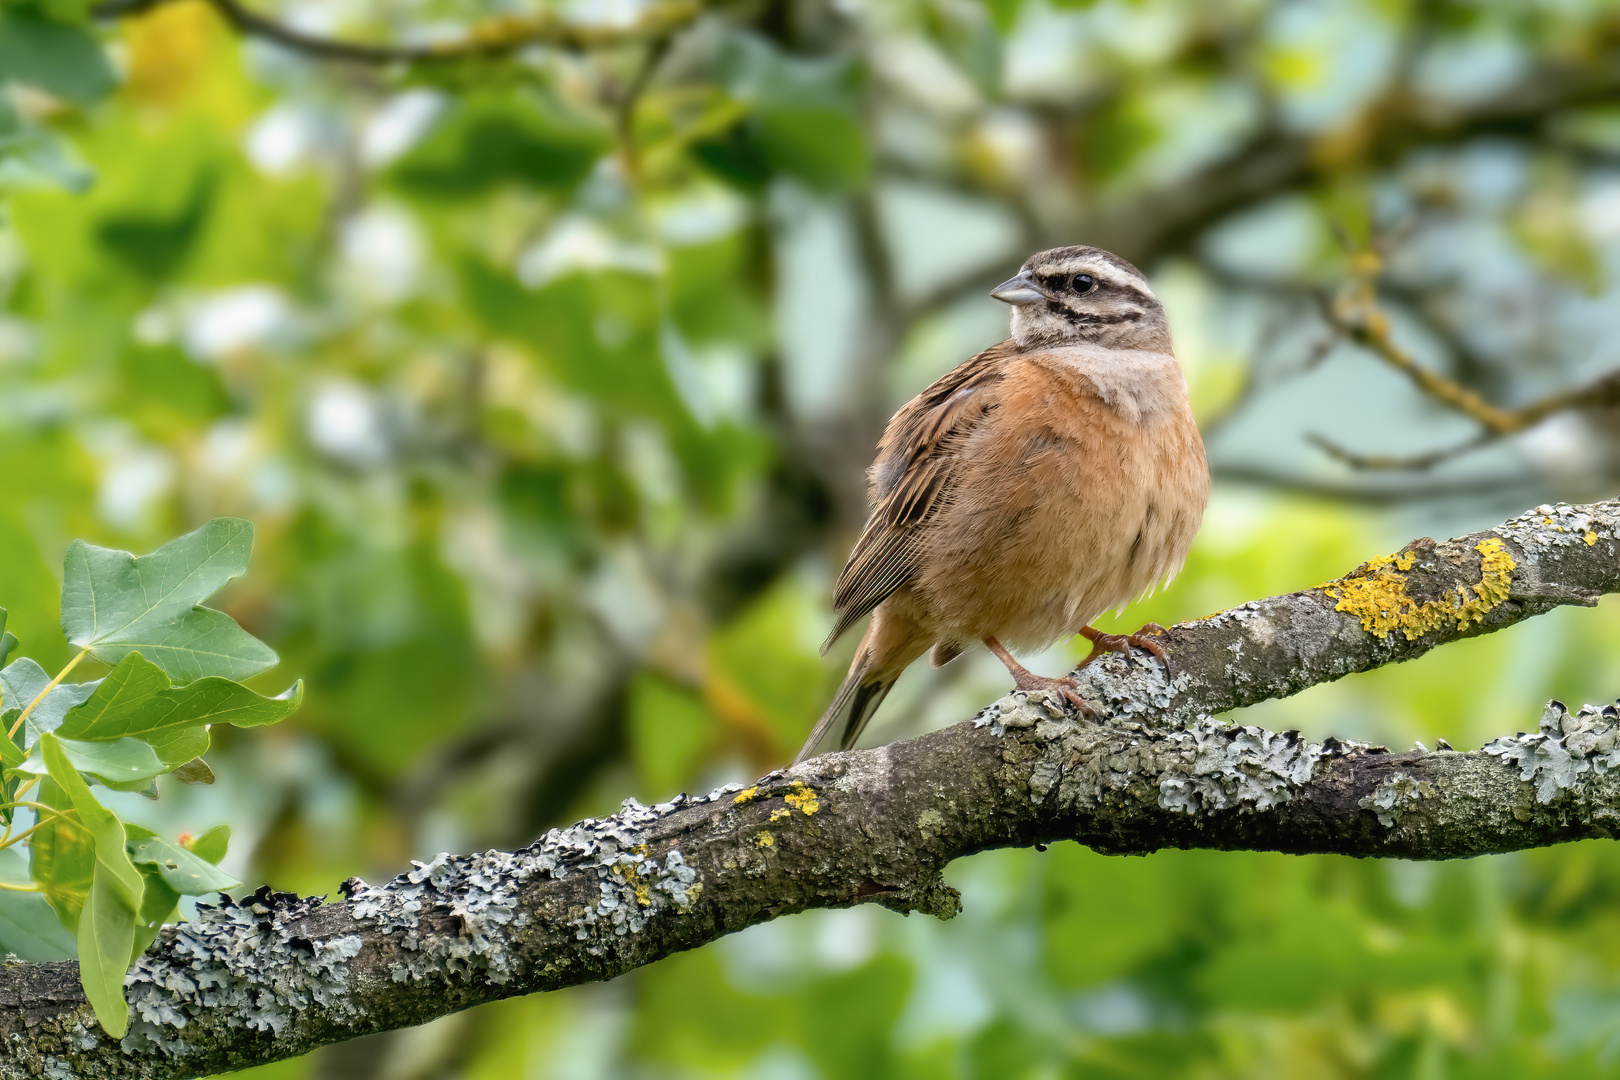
[{"x": 1084, "y": 283}]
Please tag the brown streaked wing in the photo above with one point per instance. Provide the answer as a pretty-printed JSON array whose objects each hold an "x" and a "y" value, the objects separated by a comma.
[{"x": 913, "y": 475}]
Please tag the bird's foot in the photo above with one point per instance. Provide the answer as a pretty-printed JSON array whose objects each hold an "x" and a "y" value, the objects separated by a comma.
[
  {"x": 1121, "y": 643},
  {"x": 1065, "y": 686}
]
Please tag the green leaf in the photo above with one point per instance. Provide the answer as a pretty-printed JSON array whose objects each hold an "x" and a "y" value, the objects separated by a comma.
[
  {"x": 200, "y": 643},
  {"x": 11, "y": 755},
  {"x": 106, "y": 831},
  {"x": 488, "y": 140},
  {"x": 37, "y": 155},
  {"x": 28, "y": 926},
  {"x": 735, "y": 156},
  {"x": 8, "y": 640},
  {"x": 136, "y": 701},
  {"x": 185, "y": 871},
  {"x": 21, "y": 682},
  {"x": 212, "y": 844},
  {"x": 1004, "y": 13},
  {"x": 195, "y": 771},
  {"x": 106, "y": 942},
  {"x": 155, "y": 246},
  {"x": 110, "y": 595},
  {"x": 62, "y": 858},
  {"x": 159, "y": 904},
  {"x": 823, "y": 147},
  {"x": 170, "y": 870},
  {"x": 119, "y": 762},
  {"x": 145, "y": 786},
  {"x": 114, "y": 603},
  {"x": 67, "y": 11},
  {"x": 66, "y": 61}
]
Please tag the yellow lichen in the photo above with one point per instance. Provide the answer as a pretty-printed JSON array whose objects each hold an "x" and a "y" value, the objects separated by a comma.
[
  {"x": 802, "y": 798},
  {"x": 1377, "y": 595},
  {"x": 1590, "y": 538},
  {"x": 781, "y": 815},
  {"x": 745, "y": 795},
  {"x": 765, "y": 839},
  {"x": 632, "y": 878}
]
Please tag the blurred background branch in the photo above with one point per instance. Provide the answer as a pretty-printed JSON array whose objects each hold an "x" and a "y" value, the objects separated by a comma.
[
  {"x": 1355, "y": 314},
  {"x": 494, "y": 37}
]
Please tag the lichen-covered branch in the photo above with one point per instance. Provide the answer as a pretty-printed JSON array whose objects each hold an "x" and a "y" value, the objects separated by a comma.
[{"x": 274, "y": 975}]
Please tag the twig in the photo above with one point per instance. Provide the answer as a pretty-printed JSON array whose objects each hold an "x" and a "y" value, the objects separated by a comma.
[
  {"x": 1355, "y": 313},
  {"x": 489, "y": 38},
  {"x": 1511, "y": 489},
  {"x": 625, "y": 114},
  {"x": 1408, "y": 462}
]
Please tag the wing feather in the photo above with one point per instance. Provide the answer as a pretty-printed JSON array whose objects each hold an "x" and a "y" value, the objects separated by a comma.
[{"x": 912, "y": 478}]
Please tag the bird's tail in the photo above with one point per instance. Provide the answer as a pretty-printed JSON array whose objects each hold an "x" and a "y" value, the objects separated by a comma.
[
  {"x": 889, "y": 645},
  {"x": 862, "y": 691}
]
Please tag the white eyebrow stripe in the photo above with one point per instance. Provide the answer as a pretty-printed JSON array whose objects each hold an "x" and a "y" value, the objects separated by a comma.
[{"x": 1108, "y": 274}]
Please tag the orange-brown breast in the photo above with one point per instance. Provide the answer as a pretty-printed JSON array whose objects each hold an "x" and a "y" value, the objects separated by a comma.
[{"x": 1062, "y": 506}]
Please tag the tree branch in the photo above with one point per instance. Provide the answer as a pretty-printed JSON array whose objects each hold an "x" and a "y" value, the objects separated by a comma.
[
  {"x": 493, "y": 37},
  {"x": 274, "y": 975},
  {"x": 1355, "y": 314},
  {"x": 1399, "y": 462},
  {"x": 1275, "y": 160}
]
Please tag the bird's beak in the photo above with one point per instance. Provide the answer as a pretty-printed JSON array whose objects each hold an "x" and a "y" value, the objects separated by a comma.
[{"x": 1018, "y": 291}]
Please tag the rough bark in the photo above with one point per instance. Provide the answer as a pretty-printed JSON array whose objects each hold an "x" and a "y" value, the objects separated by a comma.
[{"x": 275, "y": 975}]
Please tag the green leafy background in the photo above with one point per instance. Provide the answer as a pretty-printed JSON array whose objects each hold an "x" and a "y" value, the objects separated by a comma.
[{"x": 551, "y": 418}]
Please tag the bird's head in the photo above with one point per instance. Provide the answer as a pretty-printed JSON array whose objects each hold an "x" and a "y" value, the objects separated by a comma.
[{"x": 1073, "y": 295}]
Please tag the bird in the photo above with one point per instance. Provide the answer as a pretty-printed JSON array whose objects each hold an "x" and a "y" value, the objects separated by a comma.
[{"x": 1052, "y": 477}]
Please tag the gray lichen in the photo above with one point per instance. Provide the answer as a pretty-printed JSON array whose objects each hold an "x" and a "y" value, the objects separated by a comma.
[
  {"x": 1567, "y": 750},
  {"x": 1394, "y": 796},
  {"x": 635, "y": 888},
  {"x": 1537, "y": 532},
  {"x": 483, "y": 890},
  {"x": 1224, "y": 767},
  {"x": 1206, "y": 766},
  {"x": 1020, "y": 709},
  {"x": 244, "y": 962},
  {"x": 480, "y": 890},
  {"x": 1129, "y": 687},
  {"x": 237, "y": 964}
]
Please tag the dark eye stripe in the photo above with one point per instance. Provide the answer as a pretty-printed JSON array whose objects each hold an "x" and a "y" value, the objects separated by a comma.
[{"x": 1081, "y": 282}]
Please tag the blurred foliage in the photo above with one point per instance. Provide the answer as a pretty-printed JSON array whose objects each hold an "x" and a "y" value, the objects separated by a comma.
[{"x": 548, "y": 375}]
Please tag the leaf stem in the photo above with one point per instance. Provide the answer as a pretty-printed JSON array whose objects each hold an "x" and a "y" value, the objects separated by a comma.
[
  {"x": 55, "y": 816},
  {"x": 52, "y": 685},
  {"x": 36, "y": 806},
  {"x": 20, "y": 888}
]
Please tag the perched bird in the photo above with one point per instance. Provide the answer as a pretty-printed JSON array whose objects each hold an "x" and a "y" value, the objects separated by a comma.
[{"x": 1048, "y": 479}]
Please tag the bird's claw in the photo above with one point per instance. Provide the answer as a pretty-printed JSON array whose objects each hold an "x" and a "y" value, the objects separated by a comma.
[
  {"x": 1121, "y": 643},
  {"x": 1066, "y": 687}
]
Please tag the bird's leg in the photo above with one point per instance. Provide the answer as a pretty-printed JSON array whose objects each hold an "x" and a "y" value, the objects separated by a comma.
[
  {"x": 1025, "y": 679},
  {"x": 1121, "y": 643}
]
